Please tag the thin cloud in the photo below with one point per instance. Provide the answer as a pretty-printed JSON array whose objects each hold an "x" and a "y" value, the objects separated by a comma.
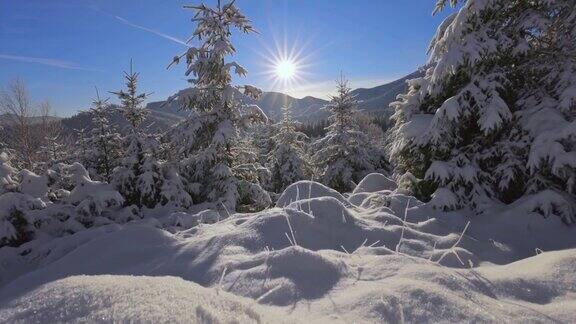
[
  {"x": 155, "y": 32},
  {"x": 46, "y": 61}
]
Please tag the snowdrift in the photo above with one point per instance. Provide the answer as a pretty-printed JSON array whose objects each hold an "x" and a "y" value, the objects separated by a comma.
[
  {"x": 306, "y": 190},
  {"x": 375, "y": 182},
  {"x": 116, "y": 299},
  {"x": 318, "y": 257}
]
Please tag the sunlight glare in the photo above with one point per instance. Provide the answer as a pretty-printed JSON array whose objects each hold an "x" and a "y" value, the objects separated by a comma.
[{"x": 285, "y": 69}]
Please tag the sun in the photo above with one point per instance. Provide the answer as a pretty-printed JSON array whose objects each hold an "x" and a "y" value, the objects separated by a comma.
[
  {"x": 285, "y": 69},
  {"x": 286, "y": 65}
]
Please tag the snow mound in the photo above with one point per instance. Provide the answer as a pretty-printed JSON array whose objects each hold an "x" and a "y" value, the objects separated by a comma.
[
  {"x": 392, "y": 259},
  {"x": 306, "y": 190},
  {"x": 318, "y": 286},
  {"x": 33, "y": 184},
  {"x": 375, "y": 182},
  {"x": 129, "y": 299},
  {"x": 328, "y": 209}
]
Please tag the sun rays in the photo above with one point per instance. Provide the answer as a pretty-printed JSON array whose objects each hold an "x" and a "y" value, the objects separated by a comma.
[{"x": 285, "y": 67}]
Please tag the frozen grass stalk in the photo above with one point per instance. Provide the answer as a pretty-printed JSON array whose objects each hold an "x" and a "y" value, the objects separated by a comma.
[
  {"x": 289, "y": 240},
  {"x": 403, "y": 226},
  {"x": 433, "y": 250},
  {"x": 372, "y": 245},
  {"x": 452, "y": 249},
  {"x": 221, "y": 279},
  {"x": 291, "y": 231},
  {"x": 225, "y": 209}
]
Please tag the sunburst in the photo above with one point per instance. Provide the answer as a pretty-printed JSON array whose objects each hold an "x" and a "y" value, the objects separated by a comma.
[{"x": 286, "y": 67}]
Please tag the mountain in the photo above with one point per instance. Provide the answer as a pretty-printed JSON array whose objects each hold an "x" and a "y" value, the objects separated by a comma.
[
  {"x": 157, "y": 120},
  {"x": 373, "y": 100},
  {"x": 7, "y": 119},
  {"x": 269, "y": 102},
  {"x": 308, "y": 109},
  {"x": 378, "y": 98}
]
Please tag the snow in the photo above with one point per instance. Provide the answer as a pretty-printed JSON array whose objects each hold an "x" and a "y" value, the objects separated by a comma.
[
  {"x": 375, "y": 182},
  {"x": 178, "y": 227},
  {"x": 369, "y": 285},
  {"x": 444, "y": 198},
  {"x": 33, "y": 184},
  {"x": 130, "y": 299},
  {"x": 417, "y": 126},
  {"x": 391, "y": 258},
  {"x": 306, "y": 189}
]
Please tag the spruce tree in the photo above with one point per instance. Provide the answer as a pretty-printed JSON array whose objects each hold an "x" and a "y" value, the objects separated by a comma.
[
  {"x": 288, "y": 161},
  {"x": 343, "y": 156},
  {"x": 102, "y": 148},
  {"x": 138, "y": 176},
  {"x": 492, "y": 120},
  {"x": 206, "y": 140},
  {"x": 52, "y": 152}
]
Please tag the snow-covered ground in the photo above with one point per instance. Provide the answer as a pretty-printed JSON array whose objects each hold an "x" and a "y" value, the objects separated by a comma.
[{"x": 318, "y": 256}]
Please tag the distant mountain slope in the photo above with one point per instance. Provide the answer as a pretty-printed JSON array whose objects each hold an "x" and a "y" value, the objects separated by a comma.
[
  {"x": 156, "y": 121},
  {"x": 373, "y": 100},
  {"x": 378, "y": 98},
  {"x": 270, "y": 103},
  {"x": 6, "y": 119}
]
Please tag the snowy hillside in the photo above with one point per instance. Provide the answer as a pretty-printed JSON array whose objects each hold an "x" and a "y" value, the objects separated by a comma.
[
  {"x": 321, "y": 257},
  {"x": 460, "y": 207}
]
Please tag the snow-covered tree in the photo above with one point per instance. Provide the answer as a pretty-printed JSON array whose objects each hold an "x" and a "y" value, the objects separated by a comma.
[
  {"x": 288, "y": 162},
  {"x": 102, "y": 146},
  {"x": 138, "y": 175},
  {"x": 262, "y": 139},
  {"x": 205, "y": 141},
  {"x": 246, "y": 165},
  {"x": 52, "y": 152},
  {"x": 8, "y": 181},
  {"x": 92, "y": 199},
  {"x": 19, "y": 191},
  {"x": 343, "y": 156},
  {"x": 141, "y": 178},
  {"x": 17, "y": 220},
  {"x": 493, "y": 118},
  {"x": 132, "y": 102},
  {"x": 251, "y": 175}
]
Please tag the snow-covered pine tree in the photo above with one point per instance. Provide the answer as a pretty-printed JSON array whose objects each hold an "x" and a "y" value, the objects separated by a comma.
[
  {"x": 103, "y": 146},
  {"x": 343, "y": 156},
  {"x": 377, "y": 139},
  {"x": 493, "y": 118},
  {"x": 91, "y": 199},
  {"x": 138, "y": 176},
  {"x": 261, "y": 135},
  {"x": 205, "y": 141},
  {"x": 8, "y": 181},
  {"x": 51, "y": 153},
  {"x": 251, "y": 175},
  {"x": 288, "y": 161},
  {"x": 17, "y": 224}
]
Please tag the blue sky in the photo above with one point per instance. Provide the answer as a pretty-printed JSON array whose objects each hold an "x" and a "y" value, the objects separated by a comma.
[{"x": 64, "y": 48}]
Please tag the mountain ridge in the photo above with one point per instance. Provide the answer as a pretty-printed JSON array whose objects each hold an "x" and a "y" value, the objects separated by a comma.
[{"x": 373, "y": 100}]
